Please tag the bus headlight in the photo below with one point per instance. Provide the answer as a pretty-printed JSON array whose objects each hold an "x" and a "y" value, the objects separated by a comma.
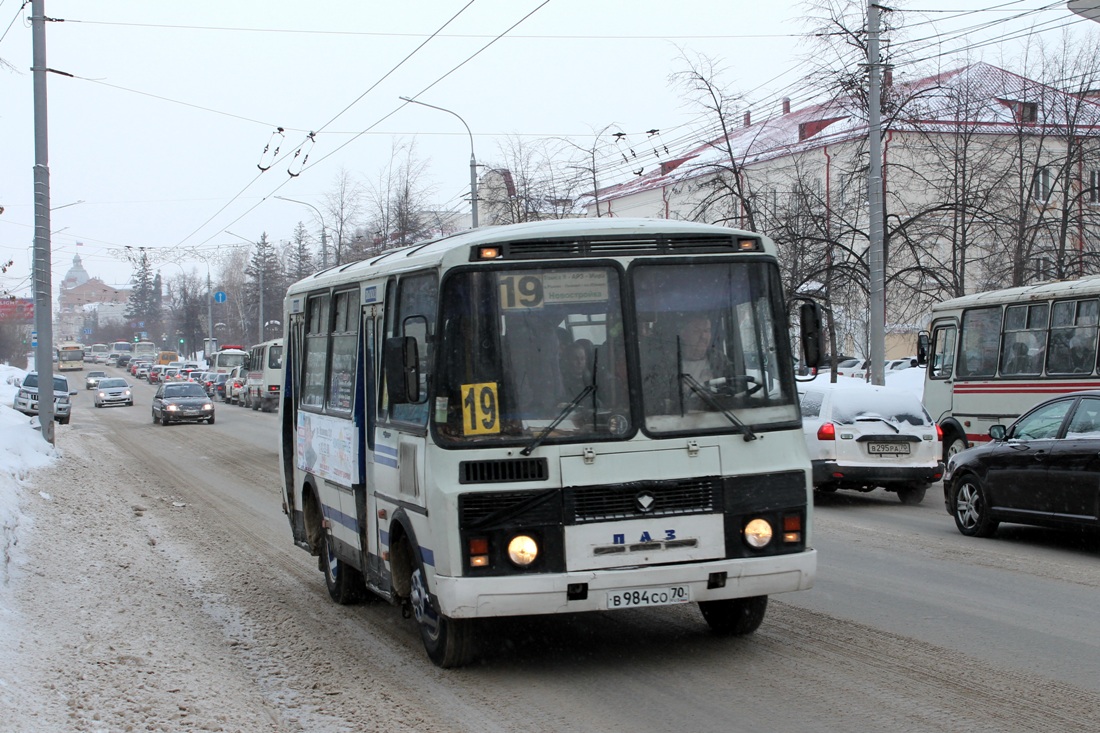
[
  {"x": 758, "y": 533},
  {"x": 522, "y": 550}
]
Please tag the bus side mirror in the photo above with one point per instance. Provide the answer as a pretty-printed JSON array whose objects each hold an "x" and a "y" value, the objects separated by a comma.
[
  {"x": 922, "y": 348},
  {"x": 402, "y": 364},
  {"x": 809, "y": 316}
]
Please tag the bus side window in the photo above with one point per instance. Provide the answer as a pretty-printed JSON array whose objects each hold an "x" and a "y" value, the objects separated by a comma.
[
  {"x": 943, "y": 352},
  {"x": 414, "y": 316}
]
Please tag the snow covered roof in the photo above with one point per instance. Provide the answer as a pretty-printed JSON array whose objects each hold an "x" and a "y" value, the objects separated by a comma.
[{"x": 989, "y": 98}]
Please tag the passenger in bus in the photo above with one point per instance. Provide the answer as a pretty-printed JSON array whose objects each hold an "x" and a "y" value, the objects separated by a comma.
[
  {"x": 576, "y": 367},
  {"x": 1060, "y": 358},
  {"x": 1019, "y": 361}
]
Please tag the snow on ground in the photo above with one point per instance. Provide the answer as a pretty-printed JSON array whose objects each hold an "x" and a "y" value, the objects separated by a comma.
[{"x": 22, "y": 450}]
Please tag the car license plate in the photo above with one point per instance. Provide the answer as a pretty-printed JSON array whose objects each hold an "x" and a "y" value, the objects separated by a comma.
[
  {"x": 888, "y": 448},
  {"x": 640, "y": 597}
]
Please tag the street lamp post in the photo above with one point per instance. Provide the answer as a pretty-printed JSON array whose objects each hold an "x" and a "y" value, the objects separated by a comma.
[
  {"x": 324, "y": 243},
  {"x": 473, "y": 160}
]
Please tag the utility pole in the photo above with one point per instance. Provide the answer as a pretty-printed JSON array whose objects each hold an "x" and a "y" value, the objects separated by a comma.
[
  {"x": 874, "y": 195},
  {"x": 43, "y": 280},
  {"x": 209, "y": 314}
]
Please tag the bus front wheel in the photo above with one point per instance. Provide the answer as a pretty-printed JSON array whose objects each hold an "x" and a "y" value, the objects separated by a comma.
[
  {"x": 449, "y": 642},
  {"x": 734, "y": 616},
  {"x": 951, "y": 446}
]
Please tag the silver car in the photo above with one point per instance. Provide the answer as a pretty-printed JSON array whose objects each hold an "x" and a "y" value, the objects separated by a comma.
[
  {"x": 92, "y": 380},
  {"x": 26, "y": 399},
  {"x": 114, "y": 392}
]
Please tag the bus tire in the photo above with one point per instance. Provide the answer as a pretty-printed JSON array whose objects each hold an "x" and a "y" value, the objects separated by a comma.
[
  {"x": 449, "y": 642},
  {"x": 912, "y": 495},
  {"x": 254, "y": 403},
  {"x": 734, "y": 616},
  {"x": 970, "y": 508},
  {"x": 344, "y": 583},
  {"x": 953, "y": 445}
]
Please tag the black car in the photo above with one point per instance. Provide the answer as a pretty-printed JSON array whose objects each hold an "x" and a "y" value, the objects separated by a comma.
[
  {"x": 182, "y": 402},
  {"x": 1043, "y": 470},
  {"x": 123, "y": 360}
]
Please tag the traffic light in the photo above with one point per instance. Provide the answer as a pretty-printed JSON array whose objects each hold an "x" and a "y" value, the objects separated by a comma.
[
  {"x": 181, "y": 342},
  {"x": 135, "y": 338}
]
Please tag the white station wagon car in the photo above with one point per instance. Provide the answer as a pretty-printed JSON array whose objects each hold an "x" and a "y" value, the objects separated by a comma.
[{"x": 862, "y": 437}]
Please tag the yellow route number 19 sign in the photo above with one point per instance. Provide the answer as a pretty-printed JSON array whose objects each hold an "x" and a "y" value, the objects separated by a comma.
[{"x": 480, "y": 409}]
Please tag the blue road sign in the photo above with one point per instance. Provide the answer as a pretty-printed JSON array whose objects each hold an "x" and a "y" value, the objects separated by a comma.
[{"x": 220, "y": 296}]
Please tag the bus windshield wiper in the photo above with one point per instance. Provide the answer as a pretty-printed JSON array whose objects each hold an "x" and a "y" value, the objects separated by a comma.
[
  {"x": 557, "y": 421},
  {"x": 706, "y": 396}
]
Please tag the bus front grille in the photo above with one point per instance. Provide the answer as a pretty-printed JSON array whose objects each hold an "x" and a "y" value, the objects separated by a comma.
[
  {"x": 489, "y": 472},
  {"x": 485, "y": 511},
  {"x": 643, "y": 499}
]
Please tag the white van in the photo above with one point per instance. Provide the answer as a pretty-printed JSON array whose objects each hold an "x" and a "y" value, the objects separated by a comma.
[{"x": 265, "y": 375}]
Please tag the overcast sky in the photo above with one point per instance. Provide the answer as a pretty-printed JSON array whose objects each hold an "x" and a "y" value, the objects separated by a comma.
[{"x": 160, "y": 130}]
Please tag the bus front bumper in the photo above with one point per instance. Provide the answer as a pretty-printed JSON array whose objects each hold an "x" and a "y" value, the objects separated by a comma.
[{"x": 574, "y": 592}]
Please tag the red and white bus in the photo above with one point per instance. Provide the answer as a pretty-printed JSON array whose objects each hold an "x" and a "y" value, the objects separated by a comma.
[{"x": 994, "y": 355}]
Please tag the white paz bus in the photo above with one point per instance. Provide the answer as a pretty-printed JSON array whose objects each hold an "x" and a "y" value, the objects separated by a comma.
[
  {"x": 553, "y": 417},
  {"x": 264, "y": 380},
  {"x": 994, "y": 355}
]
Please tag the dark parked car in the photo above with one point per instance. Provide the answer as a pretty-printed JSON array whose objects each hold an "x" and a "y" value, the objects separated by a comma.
[
  {"x": 182, "y": 402},
  {"x": 1044, "y": 470}
]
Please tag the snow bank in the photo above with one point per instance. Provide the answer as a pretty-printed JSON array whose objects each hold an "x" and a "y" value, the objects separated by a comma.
[{"x": 22, "y": 450}]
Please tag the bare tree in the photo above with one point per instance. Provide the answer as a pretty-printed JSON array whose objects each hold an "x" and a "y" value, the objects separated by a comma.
[
  {"x": 344, "y": 206},
  {"x": 726, "y": 193},
  {"x": 397, "y": 200},
  {"x": 531, "y": 181}
]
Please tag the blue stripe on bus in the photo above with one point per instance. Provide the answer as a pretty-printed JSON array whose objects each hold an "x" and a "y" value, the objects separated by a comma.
[
  {"x": 380, "y": 448},
  {"x": 427, "y": 556},
  {"x": 380, "y": 461},
  {"x": 341, "y": 518}
]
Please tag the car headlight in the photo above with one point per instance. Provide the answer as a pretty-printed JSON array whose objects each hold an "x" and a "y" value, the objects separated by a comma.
[
  {"x": 208, "y": 406},
  {"x": 171, "y": 408},
  {"x": 758, "y": 533},
  {"x": 126, "y": 393},
  {"x": 522, "y": 550},
  {"x": 24, "y": 394}
]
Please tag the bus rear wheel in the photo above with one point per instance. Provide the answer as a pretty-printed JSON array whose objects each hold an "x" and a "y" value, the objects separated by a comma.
[
  {"x": 449, "y": 642},
  {"x": 343, "y": 582},
  {"x": 734, "y": 616}
]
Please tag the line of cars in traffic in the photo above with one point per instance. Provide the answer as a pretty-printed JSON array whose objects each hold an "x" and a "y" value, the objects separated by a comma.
[{"x": 1041, "y": 470}]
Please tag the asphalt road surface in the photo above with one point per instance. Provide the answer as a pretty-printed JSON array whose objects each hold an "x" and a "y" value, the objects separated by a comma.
[{"x": 160, "y": 590}]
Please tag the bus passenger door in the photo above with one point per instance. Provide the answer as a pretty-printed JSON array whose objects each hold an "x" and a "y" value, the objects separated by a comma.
[{"x": 365, "y": 417}]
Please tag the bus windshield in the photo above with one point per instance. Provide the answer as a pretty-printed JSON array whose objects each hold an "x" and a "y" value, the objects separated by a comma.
[{"x": 539, "y": 353}]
